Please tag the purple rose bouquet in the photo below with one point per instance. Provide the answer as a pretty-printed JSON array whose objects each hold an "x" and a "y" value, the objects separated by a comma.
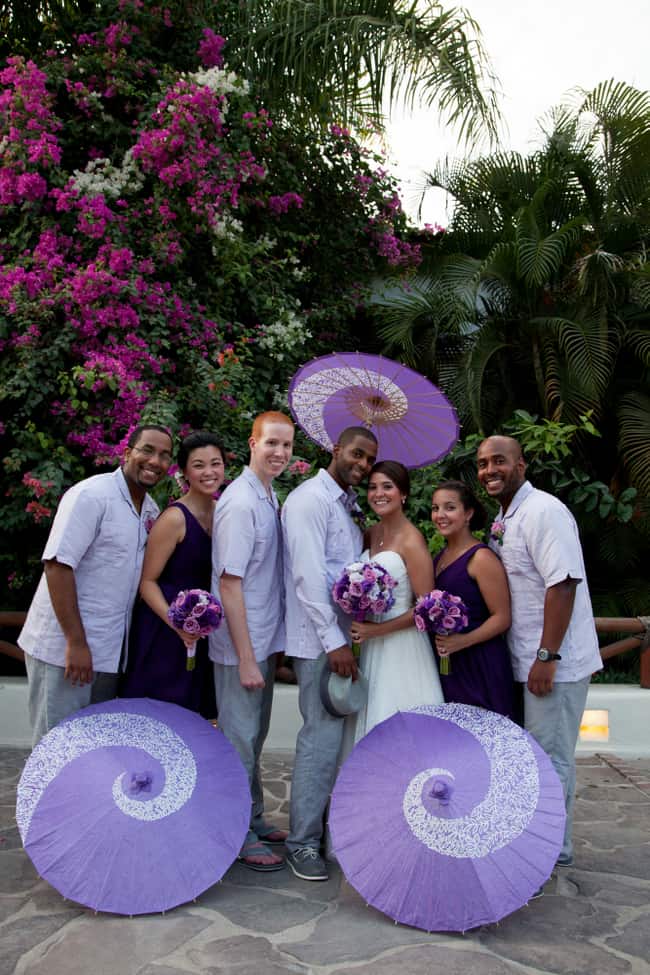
[
  {"x": 196, "y": 612},
  {"x": 441, "y": 612},
  {"x": 364, "y": 587}
]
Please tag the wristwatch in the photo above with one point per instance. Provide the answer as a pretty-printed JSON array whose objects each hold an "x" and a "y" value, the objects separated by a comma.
[{"x": 545, "y": 655}]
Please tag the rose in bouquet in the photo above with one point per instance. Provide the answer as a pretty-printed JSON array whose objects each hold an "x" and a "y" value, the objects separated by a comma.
[
  {"x": 443, "y": 613},
  {"x": 362, "y": 588},
  {"x": 196, "y": 612}
]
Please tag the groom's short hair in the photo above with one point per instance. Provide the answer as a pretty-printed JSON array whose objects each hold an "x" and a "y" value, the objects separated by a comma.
[{"x": 351, "y": 432}]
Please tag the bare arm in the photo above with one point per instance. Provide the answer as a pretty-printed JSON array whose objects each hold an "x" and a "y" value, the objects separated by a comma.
[
  {"x": 232, "y": 598},
  {"x": 63, "y": 593},
  {"x": 486, "y": 569},
  {"x": 558, "y": 606},
  {"x": 167, "y": 532}
]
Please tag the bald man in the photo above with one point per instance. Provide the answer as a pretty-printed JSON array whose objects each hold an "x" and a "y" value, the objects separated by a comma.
[{"x": 552, "y": 640}]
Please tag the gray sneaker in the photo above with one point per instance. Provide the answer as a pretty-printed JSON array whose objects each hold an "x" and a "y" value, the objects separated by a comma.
[{"x": 307, "y": 864}]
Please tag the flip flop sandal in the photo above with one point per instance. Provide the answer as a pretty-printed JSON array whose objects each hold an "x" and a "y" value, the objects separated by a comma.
[
  {"x": 273, "y": 835},
  {"x": 258, "y": 849}
]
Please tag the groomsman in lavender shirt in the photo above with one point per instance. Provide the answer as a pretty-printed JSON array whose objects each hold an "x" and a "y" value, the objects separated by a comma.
[
  {"x": 248, "y": 579},
  {"x": 552, "y": 639},
  {"x": 321, "y": 536},
  {"x": 77, "y": 625}
]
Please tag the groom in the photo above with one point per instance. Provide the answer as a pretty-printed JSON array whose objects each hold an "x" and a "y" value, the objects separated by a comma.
[{"x": 320, "y": 538}]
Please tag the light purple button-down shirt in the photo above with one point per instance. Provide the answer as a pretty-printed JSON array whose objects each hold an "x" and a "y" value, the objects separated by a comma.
[
  {"x": 99, "y": 533},
  {"x": 320, "y": 539},
  {"x": 247, "y": 542},
  {"x": 540, "y": 548}
]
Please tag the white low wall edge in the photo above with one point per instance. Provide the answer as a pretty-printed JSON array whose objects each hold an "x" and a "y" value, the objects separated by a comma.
[{"x": 627, "y": 707}]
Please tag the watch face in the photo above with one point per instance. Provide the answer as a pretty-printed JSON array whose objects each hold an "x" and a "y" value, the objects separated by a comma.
[{"x": 543, "y": 655}]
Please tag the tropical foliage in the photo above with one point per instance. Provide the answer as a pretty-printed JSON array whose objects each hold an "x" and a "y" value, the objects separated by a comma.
[
  {"x": 163, "y": 252},
  {"x": 536, "y": 299},
  {"x": 313, "y": 60}
]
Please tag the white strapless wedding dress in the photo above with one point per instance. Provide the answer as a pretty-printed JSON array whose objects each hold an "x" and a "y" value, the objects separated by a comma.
[{"x": 400, "y": 668}]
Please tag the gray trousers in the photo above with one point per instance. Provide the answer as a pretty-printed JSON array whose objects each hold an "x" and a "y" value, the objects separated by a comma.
[
  {"x": 554, "y": 722},
  {"x": 51, "y": 697},
  {"x": 244, "y": 717},
  {"x": 317, "y": 749}
]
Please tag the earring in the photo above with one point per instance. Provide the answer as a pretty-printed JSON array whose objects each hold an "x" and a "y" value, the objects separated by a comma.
[{"x": 403, "y": 500}]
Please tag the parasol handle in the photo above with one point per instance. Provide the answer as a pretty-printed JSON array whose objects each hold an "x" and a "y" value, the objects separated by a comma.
[
  {"x": 441, "y": 792},
  {"x": 140, "y": 782}
]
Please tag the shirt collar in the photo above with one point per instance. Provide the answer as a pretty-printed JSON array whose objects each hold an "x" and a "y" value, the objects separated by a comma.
[
  {"x": 147, "y": 502},
  {"x": 519, "y": 496},
  {"x": 262, "y": 493},
  {"x": 348, "y": 498}
]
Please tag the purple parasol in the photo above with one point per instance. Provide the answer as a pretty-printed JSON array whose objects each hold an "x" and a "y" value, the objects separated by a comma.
[
  {"x": 413, "y": 421},
  {"x": 447, "y": 817},
  {"x": 133, "y": 806}
]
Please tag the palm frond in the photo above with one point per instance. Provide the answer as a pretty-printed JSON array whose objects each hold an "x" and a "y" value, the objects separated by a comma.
[
  {"x": 540, "y": 254},
  {"x": 487, "y": 345},
  {"x": 589, "y": 348},
  {"x": 345, "y": 57},
  {"x": 639, "y": 341},
  {"x": 634, "y": 438}
]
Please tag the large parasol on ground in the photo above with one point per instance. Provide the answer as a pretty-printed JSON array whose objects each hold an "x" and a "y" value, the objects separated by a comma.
[
  {"x": 412, "y": 419},
  {"x": 133, "y": 806},
  {"x": 447, "y": 817}
]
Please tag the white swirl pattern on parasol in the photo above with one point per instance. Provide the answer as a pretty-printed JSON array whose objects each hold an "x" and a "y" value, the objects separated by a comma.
[
  {"x": 374, "y": 399},
  {"x": 76, "y": 737},
  {"x": 509, "y": 804}
]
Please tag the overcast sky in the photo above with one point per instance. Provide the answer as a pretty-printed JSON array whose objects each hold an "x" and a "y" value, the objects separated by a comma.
[{"x": 539, "y": 51}]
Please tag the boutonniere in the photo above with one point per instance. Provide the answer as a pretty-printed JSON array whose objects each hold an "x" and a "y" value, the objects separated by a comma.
[
  {"x": 497, "y": 531},
  {"x": 358, "y": 517},
  {"x": 149, "y": 523}
]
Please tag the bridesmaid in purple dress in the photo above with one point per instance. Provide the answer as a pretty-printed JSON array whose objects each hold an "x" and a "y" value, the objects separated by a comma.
[
  {"x": 178, "y": 556},
  {"x": 479, "y": 664}
]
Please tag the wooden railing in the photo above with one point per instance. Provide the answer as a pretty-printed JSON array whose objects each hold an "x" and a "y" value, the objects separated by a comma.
[{"x": 637, "y": 629}]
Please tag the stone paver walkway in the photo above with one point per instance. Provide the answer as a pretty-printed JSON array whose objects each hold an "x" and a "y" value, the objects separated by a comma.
[{"x": 593, "y": 920}]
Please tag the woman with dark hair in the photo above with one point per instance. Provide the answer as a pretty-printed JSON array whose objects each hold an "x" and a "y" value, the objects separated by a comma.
[
  {"x": 396, "y": 658},
  {"x": 178, "y": 556},
  {"x": 479, "y": 667}
]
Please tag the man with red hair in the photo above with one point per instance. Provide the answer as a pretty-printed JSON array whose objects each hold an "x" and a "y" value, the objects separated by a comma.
[{"x": 247, "y": 577}]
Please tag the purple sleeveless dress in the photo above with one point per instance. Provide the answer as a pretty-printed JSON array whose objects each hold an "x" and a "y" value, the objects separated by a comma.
[
  {"x": 157, "y": 663},
  {"x": 481, "y": 674}
]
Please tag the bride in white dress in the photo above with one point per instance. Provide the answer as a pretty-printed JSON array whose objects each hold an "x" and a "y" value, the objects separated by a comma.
[{"x": 396, "y": 658}]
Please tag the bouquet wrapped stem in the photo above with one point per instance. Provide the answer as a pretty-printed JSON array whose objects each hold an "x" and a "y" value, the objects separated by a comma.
[
  {"x": 191, "y": 656},
  {"x": 355, "y": 645}
]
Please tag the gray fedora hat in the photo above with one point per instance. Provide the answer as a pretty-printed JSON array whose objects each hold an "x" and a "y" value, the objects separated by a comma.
[{"x": 341, "y": 696}]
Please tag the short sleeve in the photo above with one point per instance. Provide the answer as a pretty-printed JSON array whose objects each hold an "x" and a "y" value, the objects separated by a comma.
[
  {"x": 75, "y": 528},
  {"x": 234, "y": 536},
  {"x": 554, "y": 546}
]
